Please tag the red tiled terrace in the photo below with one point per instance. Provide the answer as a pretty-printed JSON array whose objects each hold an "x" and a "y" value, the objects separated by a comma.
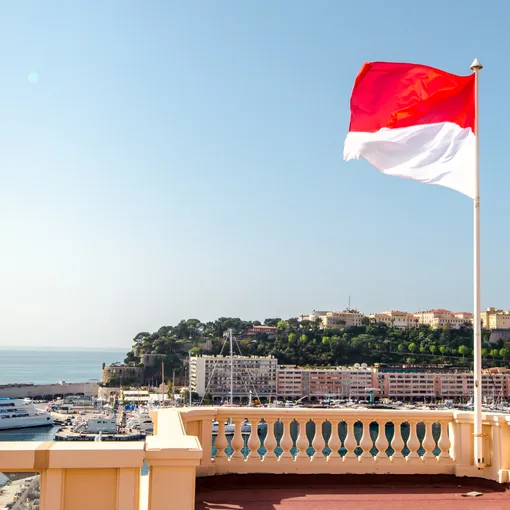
[{"x": 346, "y": 492}]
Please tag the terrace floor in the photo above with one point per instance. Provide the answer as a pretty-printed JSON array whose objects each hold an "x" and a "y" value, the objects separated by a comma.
[{"x": 346, "y": 492}]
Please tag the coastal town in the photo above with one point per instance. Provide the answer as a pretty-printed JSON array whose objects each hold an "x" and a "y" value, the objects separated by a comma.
[
  {"x": 428, "y": 365},
  {"x": 100, "y": 411}
]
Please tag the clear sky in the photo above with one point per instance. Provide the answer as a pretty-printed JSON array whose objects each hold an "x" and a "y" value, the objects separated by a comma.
[{"x": 172, "y": 159}]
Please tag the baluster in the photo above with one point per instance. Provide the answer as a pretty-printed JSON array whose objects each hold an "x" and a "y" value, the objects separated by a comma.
[
  {"x": 318, "y": 442},
  {"x": 302, "y": 441},
  {"x": 270, "y": 442},
  {"x": 381, "y": 443},
  {"x": 221, "y": 440},
  {"x": 334, "y": 442},
  {"x": 286, "y": 440},
  {"x": 254, "y": 440},
  {"x": 237, "y": 441},
  {"x": 366, "y": 442},
  {"x": 397, "y": 443},
  {"x": 350, "y": 442},
  {"x": 413, "y": 443},
  {"x": 428, "y": 442},
  {"x": 444, "y": 442}
]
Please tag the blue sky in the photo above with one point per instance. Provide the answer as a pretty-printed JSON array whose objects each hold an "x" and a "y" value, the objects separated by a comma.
[{"x": 171, "y": 159}]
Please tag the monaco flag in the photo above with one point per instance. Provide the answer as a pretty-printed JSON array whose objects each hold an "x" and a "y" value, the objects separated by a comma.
[{"x": 415, "y": 122}]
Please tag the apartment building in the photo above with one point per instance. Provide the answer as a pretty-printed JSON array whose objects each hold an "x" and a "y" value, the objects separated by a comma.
[
  {"x": 495, "y": 319},
  {"x": 395, "y": 319},
  {"x": 417, "y": 384},
  {"x": 289, "y": 382},
  {"x": 339, "y": 383},
  {"x": 316, "y": 383},
  {"x": 441, "y": 318},
  {"x": 396, "y": 384},
  {"x": 255, "y": 374}
]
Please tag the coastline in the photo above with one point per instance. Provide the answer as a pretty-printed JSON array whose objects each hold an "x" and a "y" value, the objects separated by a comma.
[
  {"x": 49, "y": 391},
  {"x": 48, "y": 366}
]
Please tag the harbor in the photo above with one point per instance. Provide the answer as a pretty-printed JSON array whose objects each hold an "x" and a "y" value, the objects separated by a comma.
[{"x": 20, "y": 493}]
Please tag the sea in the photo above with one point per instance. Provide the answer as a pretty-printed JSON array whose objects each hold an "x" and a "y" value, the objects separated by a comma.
[{"x": 47, "y": 366}]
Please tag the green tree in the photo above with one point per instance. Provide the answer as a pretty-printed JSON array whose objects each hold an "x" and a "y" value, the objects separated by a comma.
[
  {"x": 504, "y": 353},
  {"x": 292, "y": 338},
  {"x": 303, "y": 339},
  {"x": 207, "y": 400},
  {"x": 365, "y": 321},
  {"x": 443, "y": 349},
  {"x": 412, "y": 347},
  {"x": 463, "y": 349},
  {"x": 494, "y": 353},
  {"x": 283, "y": 325},
  {"x": 401, "y": 347},
  {"x": 432, "y": 349}
]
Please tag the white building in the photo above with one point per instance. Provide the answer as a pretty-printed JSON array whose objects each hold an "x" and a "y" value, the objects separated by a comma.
[
  {"x": 255, "y": 374},
  {"x": 395, "y": 319},
  {"x": 340, "y": 319},
  {"x": 444, "y": 318}
]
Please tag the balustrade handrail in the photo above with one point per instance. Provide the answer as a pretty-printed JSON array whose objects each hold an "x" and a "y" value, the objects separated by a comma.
[{"x": 213, "y": 412}]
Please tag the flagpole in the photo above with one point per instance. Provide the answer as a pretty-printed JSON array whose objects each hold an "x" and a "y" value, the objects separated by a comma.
[{"x": 477, "y": 332}]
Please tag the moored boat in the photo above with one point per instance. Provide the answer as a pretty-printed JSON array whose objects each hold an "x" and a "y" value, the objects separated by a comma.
[{"x": 18, "y": 413}]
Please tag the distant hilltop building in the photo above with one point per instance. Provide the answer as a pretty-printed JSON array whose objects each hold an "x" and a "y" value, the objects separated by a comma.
[
  {"x": 437, "y": 318},
  {"x": 441, "y": 318},
  {"x": 340, "y": 319},
  {"x": 495, "y": 319},
  {"x": 270, "y": 331},
  {"x": 395, "y": 318}
]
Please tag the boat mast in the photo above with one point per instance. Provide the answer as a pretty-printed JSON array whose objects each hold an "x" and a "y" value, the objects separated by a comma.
[
  {"x": 189, "y": 382},
  {"x": 163, "y": 383},
  {"x": 231, "y": 369}
]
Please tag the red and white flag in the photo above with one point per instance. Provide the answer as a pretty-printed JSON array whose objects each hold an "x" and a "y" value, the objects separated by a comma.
[{"x": 415, "y": 122}]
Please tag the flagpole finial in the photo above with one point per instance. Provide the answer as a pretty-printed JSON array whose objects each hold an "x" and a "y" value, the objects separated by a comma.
[{"x": 476, "y": 66}]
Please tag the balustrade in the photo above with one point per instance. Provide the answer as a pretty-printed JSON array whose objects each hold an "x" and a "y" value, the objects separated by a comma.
[
  {"x": 337, "y": 441},
  {"x": 78, "y": 476}
]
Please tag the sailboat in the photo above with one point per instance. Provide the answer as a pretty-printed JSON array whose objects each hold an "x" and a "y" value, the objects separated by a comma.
[{"x": 230, "y": 426}]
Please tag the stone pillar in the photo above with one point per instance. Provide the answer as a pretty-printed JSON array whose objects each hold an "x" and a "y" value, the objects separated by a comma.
[{"x": 173, "y": 458}]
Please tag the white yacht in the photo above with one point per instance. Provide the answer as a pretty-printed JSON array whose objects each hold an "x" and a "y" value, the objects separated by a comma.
[
  {"x": 142, "y": 422},
  {"x": 17, "y": 413}
]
